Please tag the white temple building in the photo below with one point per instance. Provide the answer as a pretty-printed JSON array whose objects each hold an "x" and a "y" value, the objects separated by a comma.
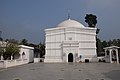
[{"x": 70, "y": 41}]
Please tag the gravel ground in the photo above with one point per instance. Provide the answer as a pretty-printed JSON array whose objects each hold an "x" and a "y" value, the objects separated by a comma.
[{"x": 62, "y": 71}]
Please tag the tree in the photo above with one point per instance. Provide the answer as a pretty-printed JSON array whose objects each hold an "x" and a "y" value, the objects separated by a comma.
[
  {"x": 42, "y": 50},
  {"x": 102, "y": 44},
  {"x": 1, "y": 39},
  {"x": 118, "y": 42},
  {"x": 99, "y": 47},
  {"x": 1, "y": 50},
  {"x": 97, "y": 31},
  {"x": 115, "y": 42},
  {"x": 12, "y": 41},
  {"x": 11, "y": 50},
  {"x": 105, "y": 44},
  {"x": 110, "y": 43},
  {"x": 91, "y": 20},
  {"x": 24, "y": 42}
]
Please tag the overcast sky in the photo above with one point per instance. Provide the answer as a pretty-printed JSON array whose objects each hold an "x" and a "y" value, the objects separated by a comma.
[{"x": 28, "y": 18}]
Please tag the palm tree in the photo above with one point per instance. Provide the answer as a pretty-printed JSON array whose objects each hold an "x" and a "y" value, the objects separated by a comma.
[{"x": 91, "y": 20}]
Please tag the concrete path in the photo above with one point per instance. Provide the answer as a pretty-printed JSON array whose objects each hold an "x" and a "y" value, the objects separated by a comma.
[{"x": 62, "y": 71}]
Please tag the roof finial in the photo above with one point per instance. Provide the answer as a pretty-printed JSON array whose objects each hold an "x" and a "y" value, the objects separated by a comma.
[{"x": 68, "y": 14}]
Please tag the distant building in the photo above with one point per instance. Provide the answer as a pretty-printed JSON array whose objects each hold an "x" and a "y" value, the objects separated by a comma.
[{"x": 70, "y": 41}]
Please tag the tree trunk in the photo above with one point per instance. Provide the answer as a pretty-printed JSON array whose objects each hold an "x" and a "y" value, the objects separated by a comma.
[
  {"x": 11, "y": 57},
  {"x": 1, "y": 57}
]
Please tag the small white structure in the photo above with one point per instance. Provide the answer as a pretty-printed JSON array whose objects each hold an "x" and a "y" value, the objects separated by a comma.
[
  {"x": 26, "y": 52},
  {"x": 111, "y": 54},
  {"x": 70, "y": 41},
  {"x": 26, "y": 55}
]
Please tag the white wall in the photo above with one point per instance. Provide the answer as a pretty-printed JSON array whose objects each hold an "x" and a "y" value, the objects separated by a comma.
[
  {"x": 11, "y": 63},
  {"x": 29, "y": 53},
  {"x": 86, "y": 37},
  {"x": 19, "y": 60}
]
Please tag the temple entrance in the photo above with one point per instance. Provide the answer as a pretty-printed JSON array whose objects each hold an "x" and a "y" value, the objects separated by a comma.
[{"x": 70, "y": 57}]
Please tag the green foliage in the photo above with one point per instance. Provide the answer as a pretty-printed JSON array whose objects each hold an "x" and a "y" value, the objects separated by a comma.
[
  {"x": 115, "y": 42},
  {"x": 99, "y": 45},
  {"x": 102, "y": 44},
  {"x": 91, "y": 20},
  {"x": 12, "y": 41},
  {"x": 12, "y": 49},
  {"x": 2, "y": 48},
  {"x": 105, "y": 44},
  {"x": 24, "y": 42},
  {"x": 42, "y": 50},
  {"x": 1, "y": 39},
  {"x": 1, "y": 51},
  {"x": 97, "y": 31}
]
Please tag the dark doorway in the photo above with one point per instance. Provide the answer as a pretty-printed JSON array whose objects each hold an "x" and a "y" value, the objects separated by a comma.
[
  {"x": 114, "y": 56},
  {"x": 70, "y": 57},
  {"x": 119, "y": 55}
]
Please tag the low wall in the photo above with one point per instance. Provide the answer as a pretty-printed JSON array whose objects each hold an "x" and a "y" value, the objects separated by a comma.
[
  {"x": 10, "y": 63},
  {"x": 1, "y": 64},
  {"x": 37, "y": 60}
]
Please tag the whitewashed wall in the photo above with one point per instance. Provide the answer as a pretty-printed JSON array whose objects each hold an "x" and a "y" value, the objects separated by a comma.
[
  {"x": 86, "y": 37},
  {"x": 11, "y": 63},
  {"x": 19, "y": 60},
  {"x": 29, "y": 53}
]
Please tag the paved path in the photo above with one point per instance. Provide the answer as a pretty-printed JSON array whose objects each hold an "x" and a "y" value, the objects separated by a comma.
[{"x": 62, "y": 71}]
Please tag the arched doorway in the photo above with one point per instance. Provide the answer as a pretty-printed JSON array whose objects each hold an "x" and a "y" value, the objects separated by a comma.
[
  {"x": 70, "y": 57},
  {"x": 23, "y": 55}
]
